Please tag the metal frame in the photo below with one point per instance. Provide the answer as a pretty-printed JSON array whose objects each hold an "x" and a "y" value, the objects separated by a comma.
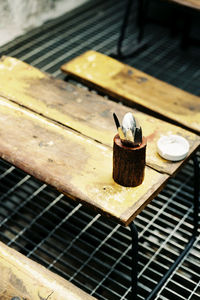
[
  {"x": 185, "y": 11},
  {"x": 185, "y": 40},
  {"x": 135, "y": 246},
  {"x": 140, "y": 20},
  {"x": 134, "y": 277}
]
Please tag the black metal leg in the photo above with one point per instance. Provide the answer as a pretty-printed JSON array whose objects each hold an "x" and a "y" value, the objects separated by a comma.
[
  {"x": 194, "y": 232},
  {"x": 139, "y": 46},
  {"x": 186, "y": 31},
  {"x": 134, "y": 234},
  {"x": 142, "y": 12},
  {"x": 196, "y": 195},
  {"x": 173, "y": 23},
  {"x": 134, "y": 252},
  {"x": 124, "y": 26}
]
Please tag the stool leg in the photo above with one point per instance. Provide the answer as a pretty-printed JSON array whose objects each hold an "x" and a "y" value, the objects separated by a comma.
[
  {"x": 173, "y": 23},
  {"x": 134, "y": 253},
  {"x": 124, "y": 26},
  {"x": 140, "y": 12},
  {"x": 186, "y": 31},
  {"x": 143, "y": 9},
  {"x": 139, "y": 46}
]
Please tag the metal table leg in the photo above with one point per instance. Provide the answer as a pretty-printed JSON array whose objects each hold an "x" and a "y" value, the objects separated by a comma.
[
  {"x": 196, "y": 195},
  {"x": 140, "y": 45},
  {"x": 186, "y": 31},
  {"x": 134, "y": 233},
  {"x": 134, "y": 253}
]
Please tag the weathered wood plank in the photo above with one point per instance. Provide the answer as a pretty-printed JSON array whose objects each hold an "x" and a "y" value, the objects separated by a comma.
[
  {"x": 135, "y": 87},
  {"x": 190, "y": 3},
  {"x": 82, "y": 110},
  {"x": 22, "y": 278},
  {"x": 75, "y": 165}
]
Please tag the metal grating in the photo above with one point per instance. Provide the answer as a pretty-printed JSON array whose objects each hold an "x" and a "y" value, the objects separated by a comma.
[{"x": 64, "y": 236}]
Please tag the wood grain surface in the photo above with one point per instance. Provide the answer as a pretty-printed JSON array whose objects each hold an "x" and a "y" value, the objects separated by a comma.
[
  {"x": 82, "y": 110},
  {"x": 24, "y": 279},
  {"x": 75, "y": 165},
  {"x": 190, "y": 3},
  {"x": 132, "y": 86}
]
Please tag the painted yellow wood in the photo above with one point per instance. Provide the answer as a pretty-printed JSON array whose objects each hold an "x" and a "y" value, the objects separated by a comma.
[
  {"x": 190, "y": 3},
  {"x": 75, "y": 165},
  {"x": 22, "y": 278},
  {"x": 82, "y": 110},
  {"x": 135, "y": 87}
]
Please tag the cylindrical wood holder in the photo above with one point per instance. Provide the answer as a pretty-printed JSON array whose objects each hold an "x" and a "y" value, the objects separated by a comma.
[{"x": 128, "y": 163}]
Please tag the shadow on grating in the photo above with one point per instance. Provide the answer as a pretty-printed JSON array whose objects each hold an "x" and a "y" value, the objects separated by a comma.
[{"x": 64, "y": 236}]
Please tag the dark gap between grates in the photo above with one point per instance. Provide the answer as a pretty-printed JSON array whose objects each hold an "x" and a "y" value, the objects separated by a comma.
[{"x": 66, "y": 237}]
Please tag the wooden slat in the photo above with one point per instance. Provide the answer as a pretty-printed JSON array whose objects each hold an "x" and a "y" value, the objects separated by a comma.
[
  {"x": 22, "y": 278},
  {"x": 135, "y": 87},
  {"x": 82, "y": 110},
  {"x": 75, "y": 165},
  {"x": 190, "y": 3}
]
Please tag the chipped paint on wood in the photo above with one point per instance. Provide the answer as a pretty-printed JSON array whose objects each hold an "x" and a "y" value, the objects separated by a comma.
[
  {"x": 115, "y": 79},
  {"x": 75, "y": 165},
  {"x": 82, "y": 110}
]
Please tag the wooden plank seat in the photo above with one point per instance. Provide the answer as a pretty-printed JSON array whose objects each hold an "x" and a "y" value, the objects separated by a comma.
[
  {"x": 22, "y": 278},
  {"x": 85, "y": 112},
  {"x": 195, "y": 4},
  {"x": 134, "y": 87}
]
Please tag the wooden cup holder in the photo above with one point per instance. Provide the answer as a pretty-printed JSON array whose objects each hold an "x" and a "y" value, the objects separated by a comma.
[{"x": 128, "y": 163}]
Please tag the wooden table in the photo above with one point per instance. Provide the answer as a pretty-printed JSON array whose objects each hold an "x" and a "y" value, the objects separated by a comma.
[{"x": 62, "y": 135}]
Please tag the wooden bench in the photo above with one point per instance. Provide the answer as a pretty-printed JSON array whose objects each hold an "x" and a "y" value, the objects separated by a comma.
[
  {"x": 195, "y": 4},
  {"x": 136, "y": 88},
  {"x": 81, "y": 110},
  {"x": 75, "y": 159},
  {"x": 22, "y": 278},
  {"x": 62, "y": 135}
]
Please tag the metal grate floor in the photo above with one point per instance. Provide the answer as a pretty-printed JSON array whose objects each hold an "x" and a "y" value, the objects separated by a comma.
[{"x": 64, "y": 236}]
